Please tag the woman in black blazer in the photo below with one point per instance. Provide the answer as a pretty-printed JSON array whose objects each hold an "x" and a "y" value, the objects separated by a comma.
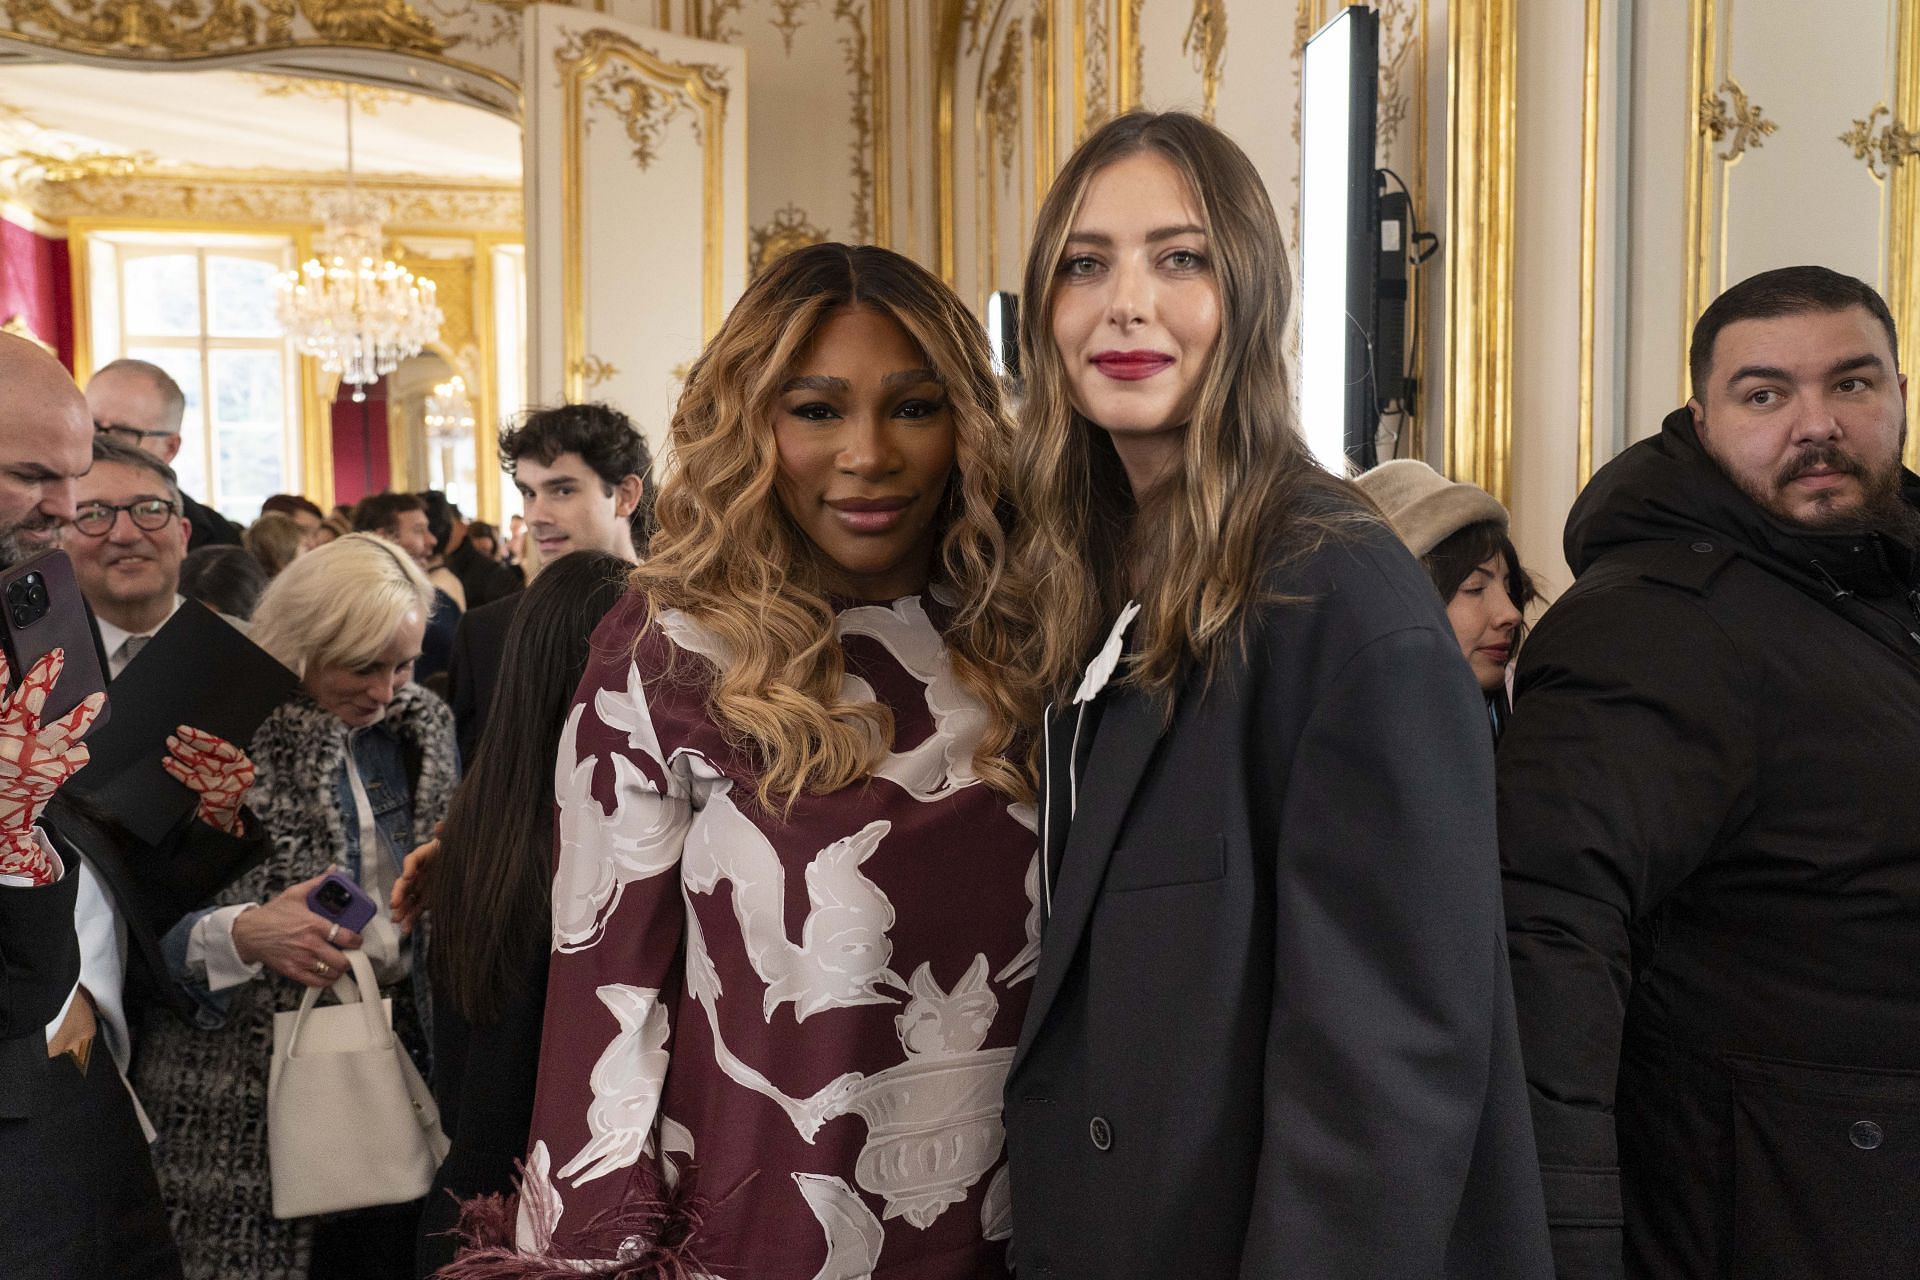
[
  {"x": 1272, "y": 1032},
  {"x": 487, "y": 900}
]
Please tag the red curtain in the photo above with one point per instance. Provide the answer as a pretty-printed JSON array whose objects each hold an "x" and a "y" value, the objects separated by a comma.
[{"x": 37, "y": 286}]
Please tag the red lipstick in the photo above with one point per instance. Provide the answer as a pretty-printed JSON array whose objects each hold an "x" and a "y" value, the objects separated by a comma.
[{"x": 1131, "y": 366}]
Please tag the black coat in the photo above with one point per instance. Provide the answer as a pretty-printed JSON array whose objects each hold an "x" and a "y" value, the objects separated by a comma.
[
  {"x": 484, "y": 579},
  {"x": 208, "y": 528},
  {"x": 1272, "y": 1032},
  {"x": 479, "y": 647},
  {"x": 39, "y": 963},
  {"x": 1710, "y": 829},
  {"x": 483, "y": 1080}
]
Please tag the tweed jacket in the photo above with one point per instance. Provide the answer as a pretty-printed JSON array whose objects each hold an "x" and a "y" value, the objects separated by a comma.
[{"x": 206, "y": 1090}]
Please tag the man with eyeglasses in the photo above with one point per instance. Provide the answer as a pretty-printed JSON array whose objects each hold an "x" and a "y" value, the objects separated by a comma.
[
  {"x": 127, "y": 539},
  {"x": 138, "y": 404}
]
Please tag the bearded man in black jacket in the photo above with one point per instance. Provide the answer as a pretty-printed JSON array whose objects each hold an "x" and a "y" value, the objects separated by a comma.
[{"x": 1710, "y": 818}]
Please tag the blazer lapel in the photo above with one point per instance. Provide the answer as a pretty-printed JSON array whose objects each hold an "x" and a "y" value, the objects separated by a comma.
[{"x": 1130, "y": 729}]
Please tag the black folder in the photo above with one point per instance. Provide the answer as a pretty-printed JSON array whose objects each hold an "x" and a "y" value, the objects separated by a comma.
[{"x": 198, "y": 670}]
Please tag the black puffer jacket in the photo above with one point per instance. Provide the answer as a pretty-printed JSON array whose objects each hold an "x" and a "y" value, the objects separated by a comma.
[{"x": 1710, "y": 836}]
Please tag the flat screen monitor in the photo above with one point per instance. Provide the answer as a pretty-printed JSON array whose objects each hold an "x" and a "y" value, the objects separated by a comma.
[{"x": 1339, "y": 236}]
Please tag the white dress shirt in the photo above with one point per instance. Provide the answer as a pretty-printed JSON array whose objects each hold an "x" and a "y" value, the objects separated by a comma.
[{"x": 114, "y": 640}]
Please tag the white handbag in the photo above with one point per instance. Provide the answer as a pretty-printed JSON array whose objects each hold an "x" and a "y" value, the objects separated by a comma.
[{"x": 350, "y": 1123}]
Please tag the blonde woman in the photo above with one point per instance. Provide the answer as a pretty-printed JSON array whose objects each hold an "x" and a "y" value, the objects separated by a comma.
[
  {"x": 351, "y": 773},
  {"x": 792, "y": 918},
  {"x": 1272, "y": 1032}
]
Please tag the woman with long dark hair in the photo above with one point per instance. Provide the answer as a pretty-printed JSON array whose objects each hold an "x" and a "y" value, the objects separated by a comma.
[
  {"x": 487, "y": 895},
  {"x": 1272, "y": 1032},
  {"x": 793, "y": 906}
]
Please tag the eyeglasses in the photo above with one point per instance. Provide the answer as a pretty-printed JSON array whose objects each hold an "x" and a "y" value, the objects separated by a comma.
[
  {"x": 149, "y": 514},
  {"x": 125, "y": 434}
]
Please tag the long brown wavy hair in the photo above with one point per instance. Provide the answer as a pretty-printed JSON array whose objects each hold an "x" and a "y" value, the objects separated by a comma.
[
  {"x": 727, "y": 554},
  {"x": 1247, "y": 495}
]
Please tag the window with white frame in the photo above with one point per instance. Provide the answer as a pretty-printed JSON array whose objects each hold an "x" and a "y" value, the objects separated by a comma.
[{"x": 201, "y": 306}]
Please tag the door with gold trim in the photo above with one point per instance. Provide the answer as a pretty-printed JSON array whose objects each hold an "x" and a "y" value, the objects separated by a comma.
[{"x": 636, "y": 207}]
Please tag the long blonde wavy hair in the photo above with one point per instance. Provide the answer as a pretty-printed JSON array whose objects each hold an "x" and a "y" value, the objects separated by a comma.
[
  {"x": 727, "y": 554},
  {"x": 1244, "y": 496}
]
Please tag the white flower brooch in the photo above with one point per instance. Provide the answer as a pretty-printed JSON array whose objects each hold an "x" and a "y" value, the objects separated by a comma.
[{"x": 1100, "y": 670}]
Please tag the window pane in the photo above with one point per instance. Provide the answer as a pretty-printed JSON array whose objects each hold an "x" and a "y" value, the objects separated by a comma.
[
  {"x": 246, "y": 387},
  {"x": 240, "y": 298},
  {"x": 163, "y": 294},
  {"x": 249, "y": 424},
  {"x": 190, "y": 464}
]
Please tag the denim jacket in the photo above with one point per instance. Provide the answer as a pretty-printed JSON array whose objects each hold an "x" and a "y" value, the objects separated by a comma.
[{"x": 382, "y": 765}]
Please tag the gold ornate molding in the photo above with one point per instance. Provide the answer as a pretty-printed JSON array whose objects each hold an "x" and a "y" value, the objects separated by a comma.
[
  {"x": 1589, "y": 242},
  {"x": 1727, "y": 115},
  {"x": 1903, "y": 198},
  {"x": 790, "y": 229},
  {"x": 265, "y": 195},
  {"x": 1092, "y": 61},
  {"x": 1046, "y": 99},
  {"x": 1206, "y": 43},
  {"x": 149, "y": 27},
  {"x": 880, "y": 119},
  {"x": 580, "y": 61},
  {"x": 182, "y": 31},
  {"x": 1130, "y": 64},
  {"x": 785, "y": 19},
  {"x": 392, "y": 24},
  {"x": 713, "y": 19},
  {"x": 860, "y": 73},
  {"x": 1481, "y": 53},
  {"x": 588, "y": 372},
  {"x": 367, "y": 99},
  {"x": 1882, "y": 150},
  {"x": 152, "y": 28}
]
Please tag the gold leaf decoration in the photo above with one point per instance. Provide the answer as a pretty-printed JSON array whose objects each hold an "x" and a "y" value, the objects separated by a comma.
[
  {"x": 1206, "y": 43},
  {"x": 1885, "y": 150},
  {"x": 138, "y": 26},
  {"x": 860, "y": 74},
  {"x": 43, "y": 167},
  {"x": 1003, "y": 97},
  {"x": 789, "y": 230},
  {"x": 643, "y": 109},
  {"x": 266, "y": 195},
  {"x": 714, "y": 20},
  {"x": 391, "y": 24},
  {"x": 1097, "y": 55},
  {"x": 786, "y": 20},
  {"x": 592, "y": 370},
  {"x": 367, "y": 99},
  {"x": 1742, "y": 124}
]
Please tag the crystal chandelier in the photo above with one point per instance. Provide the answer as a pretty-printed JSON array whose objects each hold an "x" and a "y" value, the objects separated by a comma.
[{"x": 354, "y": 310}]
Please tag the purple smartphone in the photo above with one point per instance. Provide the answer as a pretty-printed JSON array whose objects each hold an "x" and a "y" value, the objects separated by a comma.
[{"x": 341, "y": 901}]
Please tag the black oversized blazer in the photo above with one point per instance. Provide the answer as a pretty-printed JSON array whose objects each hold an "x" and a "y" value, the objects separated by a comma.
[{"x": 1272, "y": 1032}]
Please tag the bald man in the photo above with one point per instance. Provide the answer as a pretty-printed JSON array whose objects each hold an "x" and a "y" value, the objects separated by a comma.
[
  {"x": 140, "y": 404},
  {"x": 81, "y": 1195}
]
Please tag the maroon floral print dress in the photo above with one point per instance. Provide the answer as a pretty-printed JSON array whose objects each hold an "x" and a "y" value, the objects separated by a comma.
[{"x": 793, "y": 1028}]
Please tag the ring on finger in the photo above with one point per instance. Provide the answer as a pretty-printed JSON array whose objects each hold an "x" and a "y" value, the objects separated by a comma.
[
  {"x": 334, "y": 932},
  {"x": 320, "y": 967}
]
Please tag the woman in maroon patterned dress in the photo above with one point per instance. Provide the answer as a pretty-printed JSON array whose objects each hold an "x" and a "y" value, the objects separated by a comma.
[{"x": 794, "y": 924}]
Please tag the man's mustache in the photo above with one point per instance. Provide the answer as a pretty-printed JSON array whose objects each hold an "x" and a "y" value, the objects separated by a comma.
[{"x": 1818, "y": 457}]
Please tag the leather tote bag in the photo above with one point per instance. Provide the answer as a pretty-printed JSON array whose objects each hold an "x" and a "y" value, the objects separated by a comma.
[{"x": 350, "y": 1123}]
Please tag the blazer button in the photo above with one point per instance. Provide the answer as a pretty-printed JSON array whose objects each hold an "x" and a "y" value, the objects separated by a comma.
[
  {"x": 1101, "y": 1133},
  {"x": 1866, "y": 1135}
]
